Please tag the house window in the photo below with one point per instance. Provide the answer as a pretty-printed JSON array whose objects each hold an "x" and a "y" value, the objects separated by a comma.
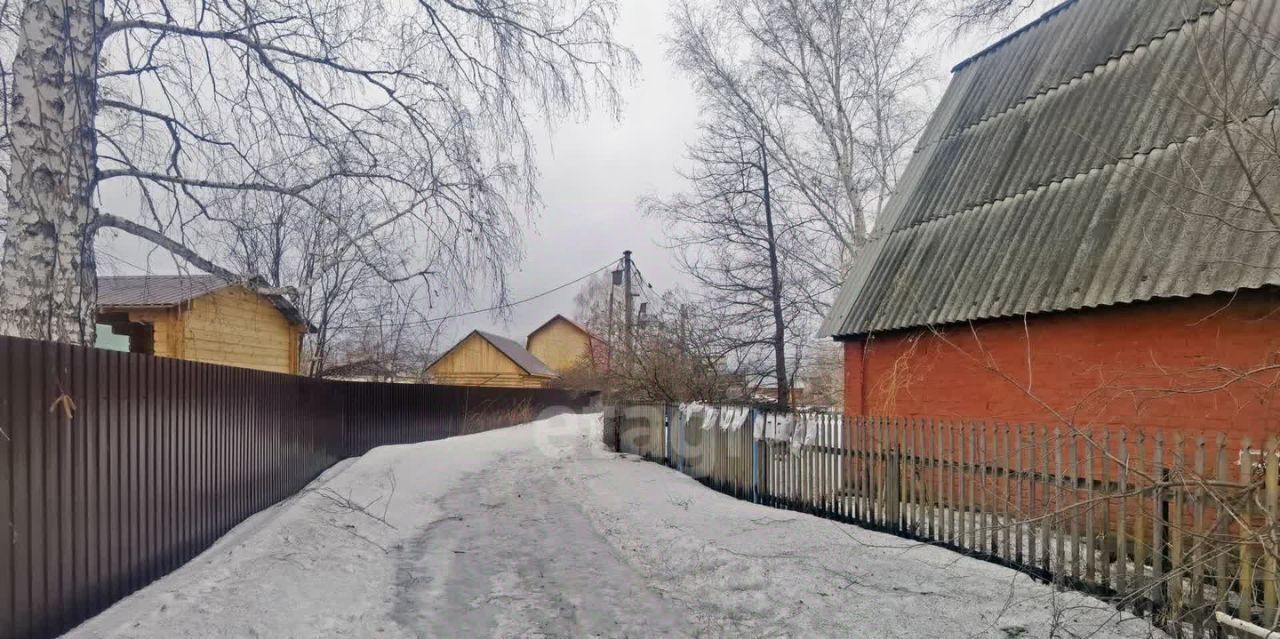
[
  {"x": 110, "y": 340},
  {"x": 117, "y": 333}
]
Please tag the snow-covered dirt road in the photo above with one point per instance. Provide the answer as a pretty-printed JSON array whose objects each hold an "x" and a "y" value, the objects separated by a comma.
[{"x": 536, "y": 531}]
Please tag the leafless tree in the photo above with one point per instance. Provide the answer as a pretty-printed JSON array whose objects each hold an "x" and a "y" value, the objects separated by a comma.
[
  {"x": 679, "y": 352},
  {"x": 680, "y": 356},
  {"x": 989, "y": 16},
  {"x": 188, "y": 113},
  {"x": 382, "y": 331},
  {"x": 343, "y": 290},
  {"x": 834, "y": 85},
  {"x": 741, "y": 246},
  {"x": 809, "y": 108}
]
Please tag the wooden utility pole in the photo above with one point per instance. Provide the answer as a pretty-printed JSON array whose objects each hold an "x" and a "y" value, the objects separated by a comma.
[
  {"x": 609, "y": 361},
  {"x": 627, "y": 304}
]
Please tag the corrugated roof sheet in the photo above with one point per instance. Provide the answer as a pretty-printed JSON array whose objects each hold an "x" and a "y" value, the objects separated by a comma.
[
  {"x": 163, "y": 291},
  {"x": 517, "y": 353},
  {"x": 1065, "y": 43},
  {"x": 1108, "y": 187},
  {"x": 154, "y": 290}
]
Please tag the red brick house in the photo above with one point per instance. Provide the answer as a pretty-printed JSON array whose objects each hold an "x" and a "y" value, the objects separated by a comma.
[{"x": 1082, "y": 235}]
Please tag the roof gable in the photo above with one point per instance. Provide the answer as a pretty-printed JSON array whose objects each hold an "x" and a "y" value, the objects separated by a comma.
[
  {"x": 1084, "y": 194},
  {"x": 508, "y": 348},
  {"x": 561, "y": 318},
  {"x": 517, "y": 353}
]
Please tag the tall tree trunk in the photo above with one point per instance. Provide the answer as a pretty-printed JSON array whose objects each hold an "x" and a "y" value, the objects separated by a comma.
[
  {"x": 775, "y": 291},
  {"x": 47, "y": 282}
]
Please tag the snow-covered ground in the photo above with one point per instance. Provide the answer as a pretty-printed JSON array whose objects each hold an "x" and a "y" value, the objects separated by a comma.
[{"x": 537, "y": 531}]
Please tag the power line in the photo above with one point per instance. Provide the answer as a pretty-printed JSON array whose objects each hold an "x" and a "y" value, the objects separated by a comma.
[
  {"x": 647, "y": 288},
  {"x": 479, "y": 310},
  {"x": 117, "y": 258},
  {"x": 430, "y": 320}
]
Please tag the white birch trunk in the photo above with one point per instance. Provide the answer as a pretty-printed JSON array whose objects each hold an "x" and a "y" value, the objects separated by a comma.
[{"x": 47, "y": 282}]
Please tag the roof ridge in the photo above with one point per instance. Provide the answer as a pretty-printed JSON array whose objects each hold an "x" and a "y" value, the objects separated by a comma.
[
  {"x": 1091, "y": 71},
  {"x": 572, "y": 322},
  {"x": 1013, "y": 35},
  {"x": 502, "y": 343},
  {"x": 1116, "y": 162}
]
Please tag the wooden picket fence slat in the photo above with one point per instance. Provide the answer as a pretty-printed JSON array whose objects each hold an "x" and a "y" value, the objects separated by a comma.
[{"x": 1172, "y": 525}]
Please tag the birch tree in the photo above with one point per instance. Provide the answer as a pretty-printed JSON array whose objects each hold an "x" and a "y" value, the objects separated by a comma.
[
  {"x": 809, "y": 108},
  {"x": 834, "y": 85},
  {"x": 745, "y": 249},
  {"x": 419, "y": 110}
]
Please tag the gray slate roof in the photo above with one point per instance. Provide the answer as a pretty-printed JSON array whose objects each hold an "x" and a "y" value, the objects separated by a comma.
[
  {"x": 1074, "y": 165},
  {"x": 163, "y": 291},
  {"x": 517, "y": 353}
]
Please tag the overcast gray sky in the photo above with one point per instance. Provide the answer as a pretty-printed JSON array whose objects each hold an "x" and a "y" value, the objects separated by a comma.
[{"x": 592, "y": 174}]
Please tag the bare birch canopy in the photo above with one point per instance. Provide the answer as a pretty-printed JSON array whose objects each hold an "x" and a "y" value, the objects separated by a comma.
[
  {"x": 807, "y": 110},
  {"x": 402, "y": 124}
]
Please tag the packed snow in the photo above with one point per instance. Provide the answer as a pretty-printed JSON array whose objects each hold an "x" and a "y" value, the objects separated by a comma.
[{"x": 538, "y": 531}]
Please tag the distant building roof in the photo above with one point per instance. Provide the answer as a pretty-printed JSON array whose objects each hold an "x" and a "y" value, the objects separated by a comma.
[
  {"x": 163, "y": 291},
  {"x": 368, "y": 369},
  {"x": 517, "y": 353},
  {"x": 508, "y": 347},
  {"x": 1063, "y": 169},
  {"x": 154, "y": 290}
]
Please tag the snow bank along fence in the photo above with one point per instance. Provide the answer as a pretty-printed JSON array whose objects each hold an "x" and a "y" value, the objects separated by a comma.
[
  {"x": 1177, "y": 527},
  {"x": 117, "y": 468}
]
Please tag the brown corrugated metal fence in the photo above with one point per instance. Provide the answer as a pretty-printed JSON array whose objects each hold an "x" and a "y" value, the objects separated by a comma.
[{"x": 117, "y": 468}]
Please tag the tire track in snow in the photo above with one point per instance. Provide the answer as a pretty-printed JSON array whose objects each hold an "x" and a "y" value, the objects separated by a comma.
[{"x": 519, "y": 559}]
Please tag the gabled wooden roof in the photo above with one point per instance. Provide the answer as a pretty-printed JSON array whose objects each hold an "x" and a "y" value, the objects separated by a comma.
[
  {"x": 580, "y": 327},
  {"x": 511, "y": 349}
]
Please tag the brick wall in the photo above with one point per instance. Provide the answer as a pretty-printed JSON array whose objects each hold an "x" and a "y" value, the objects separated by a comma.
[{"x": 1165, "y": 364}]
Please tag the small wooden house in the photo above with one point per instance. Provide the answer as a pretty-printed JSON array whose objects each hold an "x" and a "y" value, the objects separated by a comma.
[
  {"x": 563, "y": 344},
  {"x": 485, "y": 359},
  {"x": 201, "y": 318}
]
